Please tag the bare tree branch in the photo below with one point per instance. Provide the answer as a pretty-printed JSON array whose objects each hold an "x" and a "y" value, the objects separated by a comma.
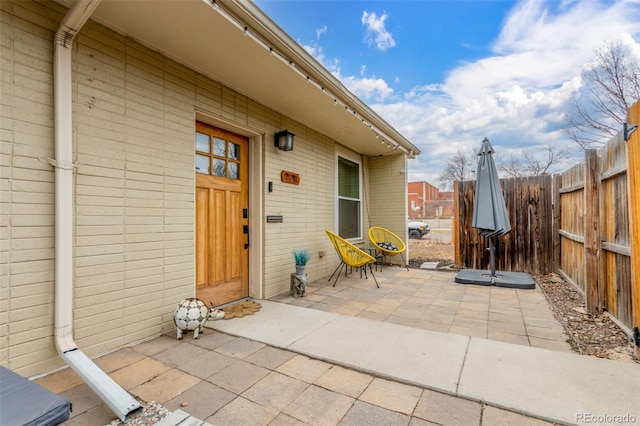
[
  {"x": 610, "y": 86},
  {"x": 456, "y": 169},
  {"x": 533, "y": 163}
]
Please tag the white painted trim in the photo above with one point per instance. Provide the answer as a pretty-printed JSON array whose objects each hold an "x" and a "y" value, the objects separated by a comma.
[{"x": 356, "y": 158}]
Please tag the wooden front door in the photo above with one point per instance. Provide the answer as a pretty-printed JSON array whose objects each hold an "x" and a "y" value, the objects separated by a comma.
[{"x": 222, "y": 238}]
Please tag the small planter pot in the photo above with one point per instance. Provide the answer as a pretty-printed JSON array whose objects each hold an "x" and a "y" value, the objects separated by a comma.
[{"x": 300, "y": 269}]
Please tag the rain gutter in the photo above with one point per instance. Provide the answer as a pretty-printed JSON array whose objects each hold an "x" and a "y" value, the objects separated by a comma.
[{"x": 118, "y": 400}]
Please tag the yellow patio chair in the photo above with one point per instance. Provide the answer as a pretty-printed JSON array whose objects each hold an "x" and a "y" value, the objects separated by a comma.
[
  {"x": 350, "y": 255},
  {"x": 387, "y": 243}
]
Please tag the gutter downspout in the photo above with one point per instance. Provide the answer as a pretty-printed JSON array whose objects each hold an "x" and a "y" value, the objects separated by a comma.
[{"x": 120, "y": 402}]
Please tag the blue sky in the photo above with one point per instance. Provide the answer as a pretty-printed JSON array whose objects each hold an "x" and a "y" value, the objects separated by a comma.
[{"x": 447, "y": 73}]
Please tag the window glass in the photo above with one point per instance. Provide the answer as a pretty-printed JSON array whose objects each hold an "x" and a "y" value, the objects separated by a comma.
[
  {"x": 216, "y": 156},
  {"x": 234, "y": 151},
  {"x": 219, "y": 147},
  {"x": 349, "y": 221},
  {"x": 202, "y": 164},
  {"x": 202, "y": 143},
  {"x": 234, "y": 171},
  {"x": 219, "y": 168},
  {"x": 349, "y": 218}
]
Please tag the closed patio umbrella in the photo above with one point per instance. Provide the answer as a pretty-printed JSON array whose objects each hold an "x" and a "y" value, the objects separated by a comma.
[
  {"x": 489, "y": 209},
  {"x": 491, "y": 219}
]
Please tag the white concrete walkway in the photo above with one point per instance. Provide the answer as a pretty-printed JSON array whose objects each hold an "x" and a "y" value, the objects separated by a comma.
[{"x": 551, "y": 385}]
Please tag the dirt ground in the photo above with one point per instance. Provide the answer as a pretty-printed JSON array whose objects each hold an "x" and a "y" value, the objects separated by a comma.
[
  {"x": 591, "y": 334},
  {"x": 430, "y": 249}
]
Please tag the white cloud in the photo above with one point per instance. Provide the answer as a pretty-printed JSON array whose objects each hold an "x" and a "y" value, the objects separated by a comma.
[
  {"x": 518, "y": 97},
  {"x": 333, "y": 65},
  {"x": 376, "y": 33},
  {"x": 375, "y": 89},
  {"x": 321, "y": 31}
]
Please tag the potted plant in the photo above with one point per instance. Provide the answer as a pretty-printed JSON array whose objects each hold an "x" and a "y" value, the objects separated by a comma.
[{"x": 301, "y": 257}]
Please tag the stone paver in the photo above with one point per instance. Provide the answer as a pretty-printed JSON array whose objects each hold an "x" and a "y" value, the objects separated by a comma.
[
  {"x": 165, "y": 386},
  {"x": 497, "y": 416},
  {"x": 304, "y": 368},
  {"x": 240, "y": 348},
  {"x": 288, "y": 390},
  {"x": 205, "y": 366},
  {"x": 366, "y": 414},
  {"x": 318, "y": 406},
  {"x": 87, "y": 405},
  {"x": 392, "y": 395},
  {"x": 345, "y": 381},
  {"x": 179, "y": 354},
  {"x": 241, "y": 411},
  {"x": 223, "y": 379},
  {"x": 433, "y": 301},
  {"x": 445, "y": 409},
  {"x": 139, "y": 372},
  {"x": 60, "y": 381},
  {"x": 201, "y": 401},
  {"x": 119, "y": 359},
  {"x": 238, "y": 377},
  {"x": 269, "y": 357}
]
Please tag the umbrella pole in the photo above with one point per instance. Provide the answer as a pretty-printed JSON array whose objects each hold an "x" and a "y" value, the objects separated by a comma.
[{"x": 492, "y": 259}]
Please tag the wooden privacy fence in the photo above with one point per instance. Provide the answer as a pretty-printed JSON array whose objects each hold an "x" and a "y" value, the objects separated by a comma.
[
  {"x": 583, "y": 224},
  {"x": 528, "y": 247},
  {"x": 595, "y": 234}
]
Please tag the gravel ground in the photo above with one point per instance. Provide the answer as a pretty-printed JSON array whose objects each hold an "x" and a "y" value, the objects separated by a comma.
[
  {"x": 151, "y": 414},
  {"x": 592, "y": 334}
]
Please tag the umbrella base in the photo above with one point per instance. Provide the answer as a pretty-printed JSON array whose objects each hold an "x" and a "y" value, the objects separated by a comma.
[{"x": 519, "y": 280}]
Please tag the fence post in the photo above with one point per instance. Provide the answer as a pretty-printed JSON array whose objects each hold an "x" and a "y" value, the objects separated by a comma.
[
  {"x": 555, "y": 197},
  {"x": 455, "y": 226},
  {"x": 633, "y": 181},
  {"x": 591, "y": 232}
]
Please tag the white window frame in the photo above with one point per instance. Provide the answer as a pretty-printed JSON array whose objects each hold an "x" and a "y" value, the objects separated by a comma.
[{"x": 354, "y": 159}]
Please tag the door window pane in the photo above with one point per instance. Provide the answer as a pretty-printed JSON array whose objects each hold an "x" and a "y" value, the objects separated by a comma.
[
  {"x": 217, "y": 156},
  {"x": 219, "y": 167},
  {"x": 202, "y": 164},
  {"x": 234, "y": 151},
  {"x": 202, "y": 143},
  {"x": 219, "y": 147},
  {"x": 234, "y": 171}
]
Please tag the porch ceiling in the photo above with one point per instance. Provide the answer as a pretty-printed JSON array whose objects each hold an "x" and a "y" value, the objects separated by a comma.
[{"x": 215, "y": 43}]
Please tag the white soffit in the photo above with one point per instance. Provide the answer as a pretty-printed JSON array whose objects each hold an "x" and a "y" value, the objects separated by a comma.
[{"x": 213, "y": 41}]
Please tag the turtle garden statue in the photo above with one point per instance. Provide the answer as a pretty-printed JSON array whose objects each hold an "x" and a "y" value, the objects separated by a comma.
[{"x": 192, "y": 314}]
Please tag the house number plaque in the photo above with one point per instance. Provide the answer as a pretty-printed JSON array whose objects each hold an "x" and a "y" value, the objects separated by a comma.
[{"x": 290, "y": 177}]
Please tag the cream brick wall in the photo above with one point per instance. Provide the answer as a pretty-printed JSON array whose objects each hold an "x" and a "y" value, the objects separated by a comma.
[
  {"x": 388, "y": 189},
  {"x": 134, "y": 113}
]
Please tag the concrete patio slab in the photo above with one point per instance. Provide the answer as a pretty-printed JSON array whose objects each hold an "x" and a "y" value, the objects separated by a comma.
[
  {"x": 415, "y": 356},
  {"x": 548, "y": 384},
  {"x": 277, "y": 324}
]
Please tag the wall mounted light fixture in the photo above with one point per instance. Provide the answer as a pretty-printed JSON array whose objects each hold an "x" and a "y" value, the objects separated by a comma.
[{"x": 284, "y": 140}]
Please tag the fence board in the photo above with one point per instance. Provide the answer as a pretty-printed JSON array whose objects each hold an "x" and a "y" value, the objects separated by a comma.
[
  {"x": 595, "y": 291},
  {"x": 633, "y": 178},
  {"x": 527, "y": 248},
  {"x": 615, "y": 270}
]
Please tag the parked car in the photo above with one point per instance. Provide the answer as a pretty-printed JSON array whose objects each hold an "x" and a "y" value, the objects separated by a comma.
[{"x": 417, "y": 229}]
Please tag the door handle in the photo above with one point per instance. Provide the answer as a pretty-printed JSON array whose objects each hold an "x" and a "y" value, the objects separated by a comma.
[{"x": 245, "y": 230}]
